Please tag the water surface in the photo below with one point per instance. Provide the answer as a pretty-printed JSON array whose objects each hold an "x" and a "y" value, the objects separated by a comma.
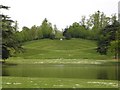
[{"x": 102, "y": 71}]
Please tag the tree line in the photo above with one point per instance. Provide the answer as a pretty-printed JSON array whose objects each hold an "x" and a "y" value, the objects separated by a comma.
[
  {"x": 45, "y": 30},
  {"x": 105, "y": 30}
]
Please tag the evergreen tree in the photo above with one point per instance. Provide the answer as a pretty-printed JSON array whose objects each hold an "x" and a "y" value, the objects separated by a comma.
[
  {"x": 107, "y": 37},
  {"x": 9, "y": 42}
]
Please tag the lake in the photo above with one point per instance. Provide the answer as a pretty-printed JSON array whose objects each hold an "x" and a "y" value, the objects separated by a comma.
[{"x": 81, "y": 71}]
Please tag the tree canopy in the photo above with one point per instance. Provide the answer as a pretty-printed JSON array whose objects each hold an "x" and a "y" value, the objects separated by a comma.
[
  {"x": 9, "y": 43},
  {"x": 109, "y": 39}
]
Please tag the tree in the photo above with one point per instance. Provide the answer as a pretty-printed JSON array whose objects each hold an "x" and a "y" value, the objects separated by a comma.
[
  {"x": 58, "y": 33},
  {"x": 83, "y": 21},
  {"x": 47, "y": 29},
  {"x": 88, "y": 28},
  {"x": 9, "y": 42},
  {"x": 66, "y": 34},
  {"x": 96, "y": 22},
  {"x": 33, "y": 33},
  {"x": 114, "y": 47},
  {"x": 75, "y": 31},
  {"x": 108, "y": 38},
  {"x": 39, "y": 33},
  {"x": 26, "y": 34},
  {"x": 36, "y": 32}
]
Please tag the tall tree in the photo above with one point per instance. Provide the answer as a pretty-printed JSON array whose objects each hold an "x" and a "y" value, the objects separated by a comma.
[
  {"x": 33, "y": 32},
  {"x": 96, "y": 22},
  {"x": 9, "y": 42},
  {"x": 47, "y": 29},
  {"x": 114, "y": 46},
  {"x": 108, "y": 37}
]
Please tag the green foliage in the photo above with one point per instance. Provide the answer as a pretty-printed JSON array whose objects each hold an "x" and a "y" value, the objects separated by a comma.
[
  {"x": 66, "y": 34},
  {"x": 33, "y": 33},
  {"x": 114, "y": 46},
  {"x": 36, "y": 32},
  {"x": 5, "y": 52},
  {"x": 9, "y": 43},
  {"x": 58, "y": 33},
  {"x": 47, "y": 29},
  {"x": 75, "y": 31},
  {"x": 39, "y": 33},
  {"x": 88, "y": 28},
  {"x": 108, "y": 38}
]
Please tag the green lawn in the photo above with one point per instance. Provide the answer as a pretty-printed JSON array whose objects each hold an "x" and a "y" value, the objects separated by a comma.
[
  {"x": 66, "y": 49},
  {"x": 26, "y": 82}
]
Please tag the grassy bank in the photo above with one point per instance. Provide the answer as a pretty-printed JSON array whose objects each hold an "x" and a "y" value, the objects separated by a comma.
[{"x": 57, "y": 61}]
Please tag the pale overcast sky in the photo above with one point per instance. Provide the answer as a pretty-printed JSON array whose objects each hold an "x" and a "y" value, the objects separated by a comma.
[{"x": 60, "y": 12}]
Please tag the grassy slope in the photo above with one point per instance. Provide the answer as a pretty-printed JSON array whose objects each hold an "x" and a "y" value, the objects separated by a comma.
[{"x": 66, "y": 49}]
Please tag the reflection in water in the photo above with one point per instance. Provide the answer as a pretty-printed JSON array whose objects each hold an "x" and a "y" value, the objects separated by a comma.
[
  {"x": 119, "y": 73},
  {"x": 62, "y": 71},
  {"x": 102, "y": 74},
  {"x": 0, "y": 69}
]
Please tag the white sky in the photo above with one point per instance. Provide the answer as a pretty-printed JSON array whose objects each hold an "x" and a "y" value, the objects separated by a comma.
[{"x": 60, "y": 12}]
